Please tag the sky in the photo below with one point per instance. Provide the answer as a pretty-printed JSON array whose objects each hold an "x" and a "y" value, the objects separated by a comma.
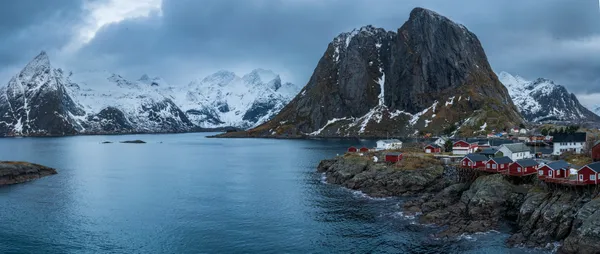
[{"x": 182, "y": 40}]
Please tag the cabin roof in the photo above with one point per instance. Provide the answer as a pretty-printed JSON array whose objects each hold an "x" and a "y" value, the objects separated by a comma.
[
  {"x": 489, "y": 151},
  {"x": 502, "y": 160},
  {"x": 517, "y": 147},
  {"x": 558, "y": 165},
  {"x": 476, "y": 157},
  {"x": 393, "y": 154},
  {"x": 594, "y": 166},
  {"x": 527, "y": 163},
  {"x": 597, "y": 143},
  {"x": 575, "y": 137}
]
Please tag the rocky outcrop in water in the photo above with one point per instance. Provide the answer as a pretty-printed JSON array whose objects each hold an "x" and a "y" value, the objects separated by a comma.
[
  {"x": 380, "y": 179},
  {"x": 13, "y": 172}
]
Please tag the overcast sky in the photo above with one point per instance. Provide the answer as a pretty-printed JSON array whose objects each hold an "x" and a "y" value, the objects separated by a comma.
[{"x": 181, "y": 40}]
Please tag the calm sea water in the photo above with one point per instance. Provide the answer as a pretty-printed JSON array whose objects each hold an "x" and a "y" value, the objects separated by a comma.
[{"x": 184, "y": 193}]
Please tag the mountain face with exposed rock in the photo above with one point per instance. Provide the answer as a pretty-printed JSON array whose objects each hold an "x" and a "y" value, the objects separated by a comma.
[
  {"x": 430, "y": 76},
  {"x": 45, "y": 101},
  {"x": 542, "y": 100}
]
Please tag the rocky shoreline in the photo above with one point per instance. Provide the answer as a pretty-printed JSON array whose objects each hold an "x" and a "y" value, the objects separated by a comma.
[
  {"x": 539, "y": 214},
  {"x": 14, "y": 172}
]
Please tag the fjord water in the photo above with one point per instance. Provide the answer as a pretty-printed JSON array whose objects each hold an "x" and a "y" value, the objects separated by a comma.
[{"x": 184, "y": 193}]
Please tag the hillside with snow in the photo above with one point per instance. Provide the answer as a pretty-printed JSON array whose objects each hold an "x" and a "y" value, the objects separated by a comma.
[
  {"x": 42, "y": 100},
  {"x": 225, "y": 99},
  {"x": 542, "y": 100}
]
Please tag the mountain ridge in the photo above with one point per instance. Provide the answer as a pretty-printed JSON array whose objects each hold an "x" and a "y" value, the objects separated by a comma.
[
  {"x": 430, "y": 75},
  {"x": 542, "y": 100},
  {"x": 44, "y": 101}
]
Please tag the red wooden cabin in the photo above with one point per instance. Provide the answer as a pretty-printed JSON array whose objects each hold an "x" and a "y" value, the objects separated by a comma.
[
  {"x": 352, "y": 149},
  {"x": 393, "y": 157},
  {"x": 497, "y": 164},
  {"x": 433, "y": 148},
  {"x": 596, "y": 151},
  {"x": 589, "y": 173},
  {"x": 554, "y": 170},
  {"x": 364, "y": 149},
  {"x": 523, "y": 167},
  {"x": 463, "y": 147},
  {"x": 474, "y": 161}
]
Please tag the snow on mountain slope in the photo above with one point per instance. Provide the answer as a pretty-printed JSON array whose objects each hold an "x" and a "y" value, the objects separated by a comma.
[
  {"x": 225, "y": 99},
  {"x": 36, "y": 102},
  {"x": 42, "y": 100},
  {"x": 542, "y": 100},
  {"x": 115, "y": 104}
]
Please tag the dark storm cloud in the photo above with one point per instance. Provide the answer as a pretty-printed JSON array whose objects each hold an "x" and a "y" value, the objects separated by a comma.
[
  {"x": 29, "y": 26},
  {"x": 531, "y": 38}
]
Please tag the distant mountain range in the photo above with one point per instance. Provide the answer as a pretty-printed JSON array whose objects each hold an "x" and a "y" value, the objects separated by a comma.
[
  {"x": 42, "y": 100},
  {"x": 542, "y": 100}
]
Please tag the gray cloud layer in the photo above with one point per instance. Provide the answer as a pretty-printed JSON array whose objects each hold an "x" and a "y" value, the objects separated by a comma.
[{"x": 556, "y": 39}]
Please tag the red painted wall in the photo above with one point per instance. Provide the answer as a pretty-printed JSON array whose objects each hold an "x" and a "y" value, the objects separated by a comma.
[
  {"x": 596, "y": 153},
  {"x": 461, "y": 144},
  {"x": 586, "y": 172},
  {"x": 528, "y": 170},
  {"x": 392, "y": 158}
]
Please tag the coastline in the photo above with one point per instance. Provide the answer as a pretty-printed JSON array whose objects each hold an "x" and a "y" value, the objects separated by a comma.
[{"x": 538, "y": 214}]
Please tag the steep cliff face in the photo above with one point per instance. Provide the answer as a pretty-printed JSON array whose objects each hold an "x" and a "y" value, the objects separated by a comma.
[{"x": 430, "y": 75}]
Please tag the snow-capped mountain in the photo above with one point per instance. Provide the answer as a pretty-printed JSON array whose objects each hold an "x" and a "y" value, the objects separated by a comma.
[
  {"x": 225, "y": 99},
  {"x": 543, "y": 100},
  {"x": 42, "y": 100},
  {"x": 596, "y": 109}
]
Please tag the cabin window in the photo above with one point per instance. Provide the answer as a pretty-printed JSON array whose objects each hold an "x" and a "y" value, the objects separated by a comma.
[
  {"x": 593, "y": 177},
  {"x": 464, "y": 163},
  {"x": 502, "y": 166},
  {"x": 541, "y": 172},
  {"x": 518, "y": 169},
  {"x": 580, "y": 177},
  {"x": 469, "y": 163},
  {"x": 550, "y": 173},
  {"x": 494, "y": 166},
  {"x": 489, "y": 165}
]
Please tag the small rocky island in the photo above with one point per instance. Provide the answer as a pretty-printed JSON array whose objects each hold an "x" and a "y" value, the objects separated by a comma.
[
  {"x": 540, "y": 215},
  {"x": 137, "y": 141},
  {"x": 14, "y": 172}
]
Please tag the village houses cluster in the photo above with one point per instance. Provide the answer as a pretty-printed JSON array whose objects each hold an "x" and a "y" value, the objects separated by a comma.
[{"x": 513, "y": 159}]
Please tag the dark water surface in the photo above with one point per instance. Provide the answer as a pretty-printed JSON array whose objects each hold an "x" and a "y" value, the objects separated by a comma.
[{"x": 184, "y": 193}]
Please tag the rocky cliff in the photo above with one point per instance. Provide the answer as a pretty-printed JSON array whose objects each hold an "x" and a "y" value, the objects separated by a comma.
[
  {"x": 430, "y": 75},
  {"x": 540, "y": 215}
]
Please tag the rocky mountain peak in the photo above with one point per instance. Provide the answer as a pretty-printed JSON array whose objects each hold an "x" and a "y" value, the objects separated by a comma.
[
  {"x": 429, "y": 75},
  {"x": 542, "y": 100},
  {"x": 258, "y": 76},
  {"x": 220, "y": 78},
  {"x": 144, "y": 78},
  {"x": 39, "y": 64}
]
